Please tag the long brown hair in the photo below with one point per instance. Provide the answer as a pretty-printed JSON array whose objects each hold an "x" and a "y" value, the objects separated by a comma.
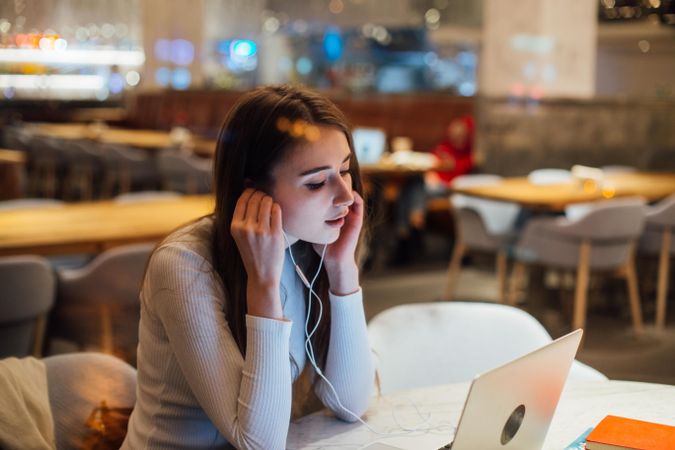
[{"x": 250, "y": 145}]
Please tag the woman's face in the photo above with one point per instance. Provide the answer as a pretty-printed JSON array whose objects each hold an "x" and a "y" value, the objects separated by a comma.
[
  {"x": 457, "y": 133},
  {"x": 313, "y": 186}
]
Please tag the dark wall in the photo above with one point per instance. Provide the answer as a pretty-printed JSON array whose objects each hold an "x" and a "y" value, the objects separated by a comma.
[
  {"x": 421, "y": 117},
  {"x": 515, "y": 138}
]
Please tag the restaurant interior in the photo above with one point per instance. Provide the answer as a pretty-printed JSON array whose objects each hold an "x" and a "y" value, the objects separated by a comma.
[{"x": 518, "y": 161}]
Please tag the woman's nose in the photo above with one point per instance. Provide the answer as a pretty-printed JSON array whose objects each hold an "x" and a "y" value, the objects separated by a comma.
[{"x": 344, "y": 195}]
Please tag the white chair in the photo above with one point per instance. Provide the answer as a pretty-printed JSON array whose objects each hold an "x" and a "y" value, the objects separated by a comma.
[
  {"x": 26, "y": 296},
  {"x": 101, "y": 297},
  {"x": 603, "y": 239},
  {"x": 549, "y": 176},
  {"x": 481, "y": 225},
  {"x": 657, "y": 239},
  {"x": 77, "y": 383},
  {"x": 426, "y": 344}
]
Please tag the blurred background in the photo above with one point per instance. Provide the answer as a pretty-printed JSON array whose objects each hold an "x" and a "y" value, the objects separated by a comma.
[{"x": 105, "y": 104}]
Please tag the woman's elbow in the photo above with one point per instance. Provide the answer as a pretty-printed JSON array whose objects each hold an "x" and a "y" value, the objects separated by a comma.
[{"x": 354, "y": 411}]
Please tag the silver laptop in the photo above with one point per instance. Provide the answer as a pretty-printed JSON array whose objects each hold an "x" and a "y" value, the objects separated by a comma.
[
  {"x": 511, "y": 406},
  {"x": 369, "y": 144}
]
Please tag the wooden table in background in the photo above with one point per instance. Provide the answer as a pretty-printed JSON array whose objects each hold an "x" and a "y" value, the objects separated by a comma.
[
  {"x": 145, "y": 139},
  {"x": 92, "y": 227},
  {"x": 555, "y": 197}
]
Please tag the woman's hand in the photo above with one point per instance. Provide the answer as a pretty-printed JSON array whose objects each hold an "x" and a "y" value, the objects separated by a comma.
[
  {"x": 257, "y": 231},
  {"x": 340, "y": 258}
]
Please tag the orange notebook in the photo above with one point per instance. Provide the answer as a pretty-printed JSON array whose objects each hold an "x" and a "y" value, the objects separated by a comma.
[{"x": 618, "y": 433}]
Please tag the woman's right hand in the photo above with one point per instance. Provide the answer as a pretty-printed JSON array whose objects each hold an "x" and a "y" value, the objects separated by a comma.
[{"x": 257, "y": 231}]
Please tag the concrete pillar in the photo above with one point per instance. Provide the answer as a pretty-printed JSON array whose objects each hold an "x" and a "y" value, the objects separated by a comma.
[{"x": 538, "y": 49}]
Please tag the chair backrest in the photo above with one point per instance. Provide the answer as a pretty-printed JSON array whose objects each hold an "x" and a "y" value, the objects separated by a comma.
[
  {"x": 611, "y": 220},
  {"x": 659, "y": 217},
  {"x": 114, "y": 276},
  {"x": 26, "y": 295},
  {"x": 428, "y": 344},
  {"x": 185, "y": 173},
  {"x": 16, "y": 138},
  {"x": 122, "y": 155},
  {"x": 663, "y": 213},
  {"x": 100, "y": 300},
  {"x": 77, "y": 384},
  {"x": 610, "y": 226},
  {"x": 498, "y": 217},
  {"x": 549, "y": 176}
]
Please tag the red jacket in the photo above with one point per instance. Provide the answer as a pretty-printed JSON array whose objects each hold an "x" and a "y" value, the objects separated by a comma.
[{"x": 463, "y": 156}]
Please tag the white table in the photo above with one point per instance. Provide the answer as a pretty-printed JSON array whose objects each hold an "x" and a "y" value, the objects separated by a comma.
[{"x": 582, "y": 405}]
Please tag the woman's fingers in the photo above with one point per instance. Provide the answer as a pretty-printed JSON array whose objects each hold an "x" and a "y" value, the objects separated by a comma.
[
  {"x": 264, "y": 212},
  {"x": 357, "y": 206},
  {"x": 242, "y": 203},
  {"x": 253, "y": 208},
  {"x": 275, "y": 223}
]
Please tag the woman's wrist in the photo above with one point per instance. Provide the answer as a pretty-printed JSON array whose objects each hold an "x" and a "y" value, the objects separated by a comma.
[
  {"x": 343, "y": 279},
  {"x": 263, "y": 300}
]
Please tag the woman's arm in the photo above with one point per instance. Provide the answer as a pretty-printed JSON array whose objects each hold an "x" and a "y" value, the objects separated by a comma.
[
  {"x": 349, "y": 363},
  {"x": 248, "y": 400}
]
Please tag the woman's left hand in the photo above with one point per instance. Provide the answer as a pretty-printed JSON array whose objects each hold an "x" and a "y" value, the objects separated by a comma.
[{"x": 340, "y": 258}]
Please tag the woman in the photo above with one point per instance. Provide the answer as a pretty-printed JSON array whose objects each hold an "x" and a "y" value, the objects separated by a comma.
[
  {"x": 223, "y": 309},
  {"x": 456, "y": 152}
]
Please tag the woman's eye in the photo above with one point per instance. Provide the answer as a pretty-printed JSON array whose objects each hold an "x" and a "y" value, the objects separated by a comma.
[
  {"x": 344, "y": 172},
  {"x": 315, "y": 186}
]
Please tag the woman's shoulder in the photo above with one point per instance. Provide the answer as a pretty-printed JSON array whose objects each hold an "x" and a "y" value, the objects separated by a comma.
[
  {"x": 195, "y": 237},
  {"x": 183, "y": 257}
]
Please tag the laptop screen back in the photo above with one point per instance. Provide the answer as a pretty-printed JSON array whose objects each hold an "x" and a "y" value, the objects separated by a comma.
[
  {"x": 511, "y": 407},
  {"x": 369, "y": 144}
]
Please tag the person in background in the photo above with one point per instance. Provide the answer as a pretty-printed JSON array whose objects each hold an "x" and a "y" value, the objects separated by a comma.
[
  {"x": 225, "y": 299},
  {"x": 456, "y": 152}
]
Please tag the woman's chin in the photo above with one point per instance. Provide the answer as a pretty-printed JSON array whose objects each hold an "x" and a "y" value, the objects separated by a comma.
[{"x": 325, "y": 238}]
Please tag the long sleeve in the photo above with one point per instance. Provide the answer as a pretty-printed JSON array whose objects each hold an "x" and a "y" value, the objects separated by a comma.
[
  {"x": 349, "y": 363},
  {"x": 247, "y": 400}
]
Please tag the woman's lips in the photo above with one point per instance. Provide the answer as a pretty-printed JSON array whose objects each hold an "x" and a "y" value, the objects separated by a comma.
[{"x": 336, "y": 222}]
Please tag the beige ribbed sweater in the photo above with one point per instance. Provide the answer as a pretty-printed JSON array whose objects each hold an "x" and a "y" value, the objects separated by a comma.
[{"x": 196, "y": 391}]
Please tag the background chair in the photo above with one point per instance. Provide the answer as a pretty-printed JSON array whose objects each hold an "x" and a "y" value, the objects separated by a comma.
[
  {"x": 85, "y": 164},
  {"x": 77, "y": 384},
  {"x": 657, "y": 239},
  {"x": 603, "y": 239},
  {"x": 480, "y": 225},
  {"x": 26, "y": 296},
  {"x": 98, "y": 304},
  {"x": 125, "y": 169},
  {"x": 46, "y": 162},
  {"x": 425, "y": 344},
  {"x": 185, "y": 173}
]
